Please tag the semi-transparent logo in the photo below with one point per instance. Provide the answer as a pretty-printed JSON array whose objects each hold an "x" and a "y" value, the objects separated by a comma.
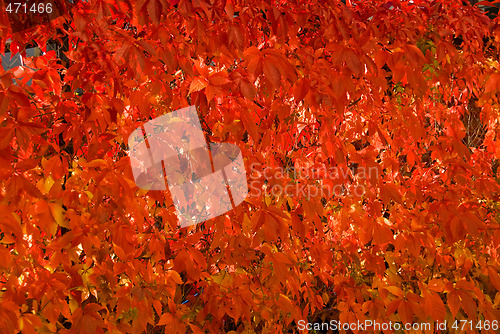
[{"x": 204, "y": 183}]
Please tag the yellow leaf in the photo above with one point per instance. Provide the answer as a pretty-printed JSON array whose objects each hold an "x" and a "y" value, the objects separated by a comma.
[
  {"x": 73, "y": 305},
  {"x": 57, "y": 213},
  {"x": 7, "y": 239},
  {"x": 97, "y": 163},
  {"x": 218, "y": 277},
  {"x": 395, "y": 290},
  {"x": 325, "y": 297}
]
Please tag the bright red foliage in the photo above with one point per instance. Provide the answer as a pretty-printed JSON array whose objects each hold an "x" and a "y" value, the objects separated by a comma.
[{"x": 370, "y": 136}]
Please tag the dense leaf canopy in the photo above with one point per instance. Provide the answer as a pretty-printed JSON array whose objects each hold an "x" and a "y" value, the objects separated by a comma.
[{"x": 369, "y": 132}]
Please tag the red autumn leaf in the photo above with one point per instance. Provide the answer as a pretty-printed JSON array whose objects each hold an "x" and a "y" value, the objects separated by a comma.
[
  {"x": 301, "y": 88},
  {"x": 272, "y": 73},
  {"x": 218, "y": 79},
  {"x": 248, "y": 89},
  {"x": 197, "y": 84},
  {"x": 154, "y": 10}
]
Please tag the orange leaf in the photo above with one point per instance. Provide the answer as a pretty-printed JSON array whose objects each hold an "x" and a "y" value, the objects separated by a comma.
[
  {"x": 382, "y": 233},
  {"x": 434, "y": 306},
  {"x": 494, "y": 277},
  {"x": 393, "y": 306},
  {"x": 453, "y": 302},
  {"x": 436, "y": 285},
  {"x": 405, "y": 312},
  {"x": 157, "y": 306},
  {"x": 197, "y": 84},
  {"x": 119, "y": 252},
  {"x": 395, "y": 290},
  {"x": 493, "y": 83},
  {"x": 165, "y": 319},
  {"x": 468, "y": 304},
  {"x": 390, "y": 191},
  {"x": 174, "y": 275}
]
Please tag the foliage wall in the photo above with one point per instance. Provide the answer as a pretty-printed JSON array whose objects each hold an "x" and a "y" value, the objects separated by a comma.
[{"x": 315, "y": 93}]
